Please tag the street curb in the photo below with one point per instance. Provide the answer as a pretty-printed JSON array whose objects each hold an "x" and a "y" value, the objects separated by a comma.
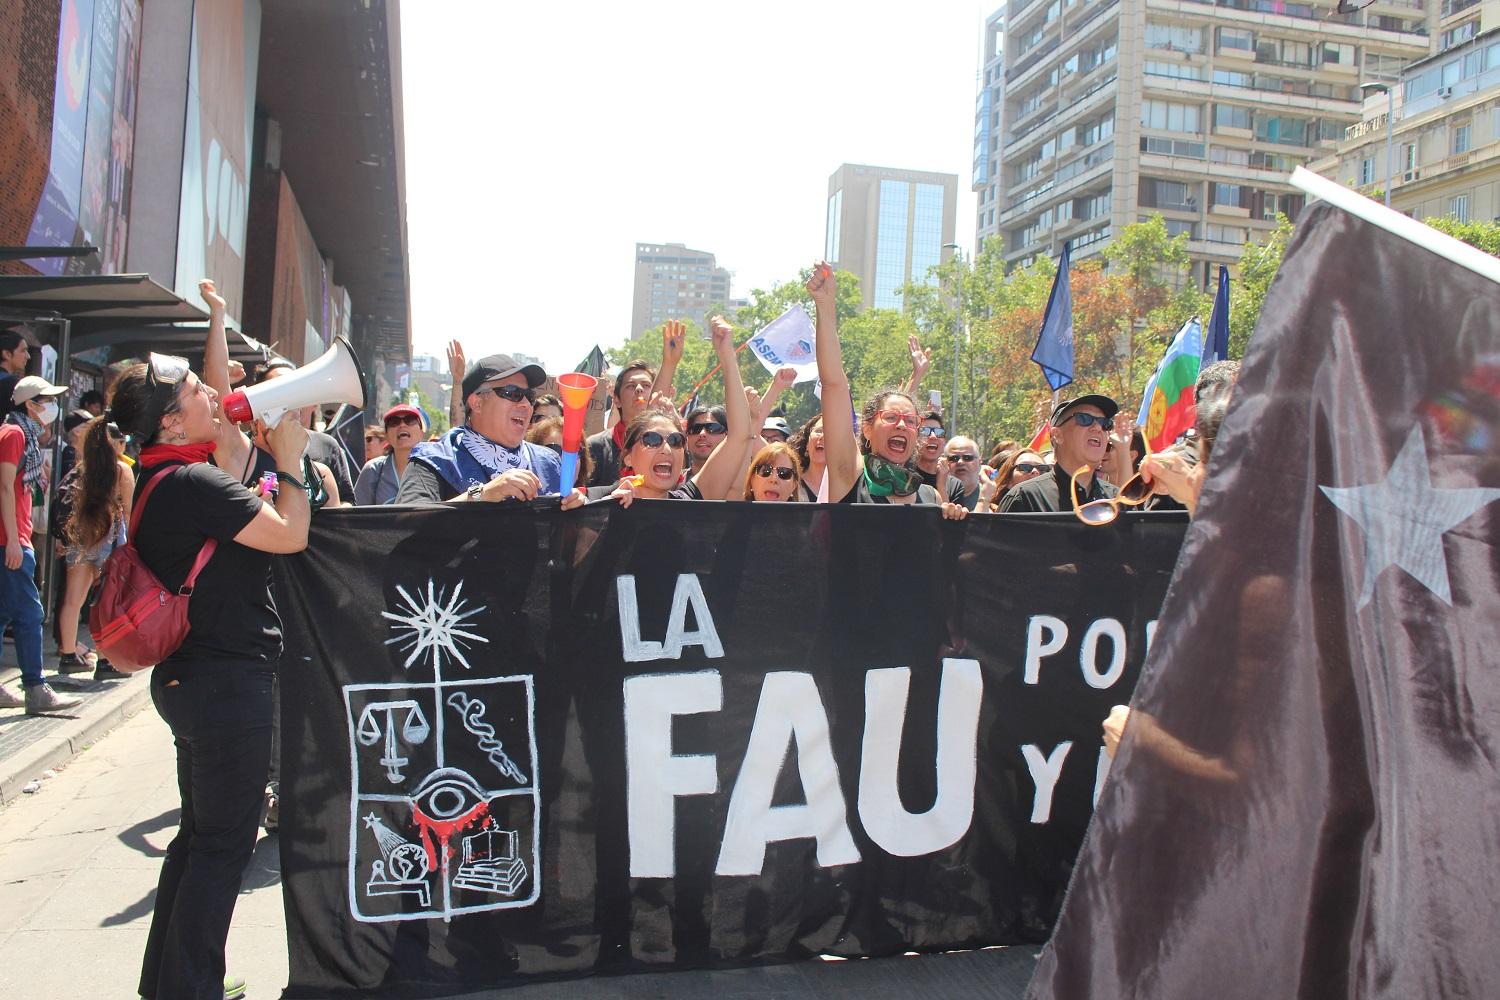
[{"x": 107, "y": 710}]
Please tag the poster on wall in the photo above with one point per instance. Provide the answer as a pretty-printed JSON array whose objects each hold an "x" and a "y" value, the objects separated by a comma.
[
  {"x": 86, "y": 197},
  {"x": 217, "y": 142}
]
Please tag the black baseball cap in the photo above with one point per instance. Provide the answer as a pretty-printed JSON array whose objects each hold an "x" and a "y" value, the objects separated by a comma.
[
  {"x": 500, "y": 366},
  {"x": 1109, "y": 406}
]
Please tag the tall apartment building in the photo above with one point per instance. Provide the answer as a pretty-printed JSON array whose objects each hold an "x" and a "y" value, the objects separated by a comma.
[
  {"x": 673, "y": 282},
  {"x": 988, "y": 121},
  {"x": 1116, "y": 109},
  {"x": 1443, "y": 155},
  {"x": 888, "y": 227}
]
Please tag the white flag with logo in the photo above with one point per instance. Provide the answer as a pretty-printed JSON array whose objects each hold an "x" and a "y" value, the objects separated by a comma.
[{"x": 787, "y": 342}]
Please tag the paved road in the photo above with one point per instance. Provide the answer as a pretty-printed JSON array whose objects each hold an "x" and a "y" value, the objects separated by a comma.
[{"x": 78, "y": 868}]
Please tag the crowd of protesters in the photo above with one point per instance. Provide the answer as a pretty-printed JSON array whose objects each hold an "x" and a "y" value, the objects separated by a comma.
[{"x": 205, "y": 503}]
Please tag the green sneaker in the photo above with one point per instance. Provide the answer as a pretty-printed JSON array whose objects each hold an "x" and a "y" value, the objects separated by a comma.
[{"x": 234, "y": 988}]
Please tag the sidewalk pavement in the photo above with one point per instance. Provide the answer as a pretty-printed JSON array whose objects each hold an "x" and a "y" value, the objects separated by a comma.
[
  {"x": 79, "y": 861},
  {"x": 32, "y": 745}
]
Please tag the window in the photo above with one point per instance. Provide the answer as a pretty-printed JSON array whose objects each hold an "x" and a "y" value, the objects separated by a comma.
[
  {"x": 1232, "y": 195},
  {"x": 831, "y": 246},
  {"x": 1171, "y": 147},
  {"x": 1092, "y": 206},
  {"x": 1462, "y": 136},
  {"x": 1367, "y": 170},
  {"x": 1231, "y": 116},
  {"x": 1174, "y": 37},
  {"x": 1215, "y": 233},
  {"x": 1338, "y": 54},
  {"x": 1166, "y": 194},
  {"x": 1174, "y": 70},
  {"x": 1282, "y": 129},
  {"x": 890, "y": 243},
  {"x": 1409, "y": 161},
  {"x": 1171, "y": 117},
  {"x": 1236, "y": 39},
  {"x": 1094, "y": 131},
  {"x": 1458, "y": 207}
]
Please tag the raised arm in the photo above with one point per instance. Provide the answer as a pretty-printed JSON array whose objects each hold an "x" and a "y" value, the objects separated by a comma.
[
  {"x": 672, "y": 335},
  {"x": 720, "y": 467},
  {"x": 921, "y": 361},
  {"x": 233, "y": 445},
  {"x": 838, "y": 415},
  {"x": 456, "y": 375},
  {"x": 760, "y": 409}
]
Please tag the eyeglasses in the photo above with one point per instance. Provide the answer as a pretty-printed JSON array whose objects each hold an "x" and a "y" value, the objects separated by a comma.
[
  {"x": 894, "y": 417},
  {"x": 510, "y": 393},
  {"x": 1030, "y": 468},
  {"x": 767, "y": 471},
  {"x": 931, "y": 432},
  {"x": 960, "y": 457},
  {"x": 1090, "y": 419},
  {"x": 1102, "y": 511},
  {"x": 708, "y": 427},
  {"x": 654, "y": 439},
  {"x": 412, "y": 418}
]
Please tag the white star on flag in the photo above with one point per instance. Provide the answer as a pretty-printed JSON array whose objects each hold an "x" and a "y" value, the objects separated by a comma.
[{"x": 1404, "y": 519}]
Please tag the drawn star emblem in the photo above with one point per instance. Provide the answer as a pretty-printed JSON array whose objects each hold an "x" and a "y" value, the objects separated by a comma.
[
  {"x": 1404, "y": 518},
  {"x": 438, "y": 625}
]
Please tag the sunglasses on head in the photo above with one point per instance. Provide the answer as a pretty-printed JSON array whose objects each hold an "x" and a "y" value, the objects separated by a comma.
[
  {"x": 931, "y": 432},
  {"x": 654, "y": 439},
  {"x": 707, "y": 427},
  {"x": 1090, "y": 419},
  {"x": 511, "y": 393},
  {"x": 765, "y": 471}
]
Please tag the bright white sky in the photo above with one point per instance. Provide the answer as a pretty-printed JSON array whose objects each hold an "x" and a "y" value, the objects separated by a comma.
[{"x": 543, "y": 141}]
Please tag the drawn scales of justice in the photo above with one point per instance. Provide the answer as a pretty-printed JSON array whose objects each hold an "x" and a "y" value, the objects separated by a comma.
[{"x": 490, "y": 861}]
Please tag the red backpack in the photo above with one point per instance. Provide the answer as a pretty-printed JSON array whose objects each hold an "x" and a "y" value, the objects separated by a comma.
[{"x": 136, "y": 621}]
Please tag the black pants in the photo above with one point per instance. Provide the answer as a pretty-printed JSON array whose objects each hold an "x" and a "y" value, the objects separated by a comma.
[{"x": 221, "y": 725}]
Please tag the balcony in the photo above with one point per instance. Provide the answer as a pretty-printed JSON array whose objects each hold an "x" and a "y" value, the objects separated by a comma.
[{"x": 1451, "y": 7}]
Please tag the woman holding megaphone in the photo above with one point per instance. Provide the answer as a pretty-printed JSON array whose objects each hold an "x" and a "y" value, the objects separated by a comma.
[{"x": 214, "y": 691}]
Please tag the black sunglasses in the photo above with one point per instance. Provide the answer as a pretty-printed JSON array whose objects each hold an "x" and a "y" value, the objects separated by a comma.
[
  {"x": 1090, "y": 419},
  {"x": 653, "y": 439},
  {"x": 766, "y": 471},
  {"x": 554, "y": 446},
  {"x": 960, "y": 457},
  {"x": 931, "y": 432},
  {"x": 1031, "y": 467},
  {"x": 707, "y": 427},
  {"x": 511, "y": 393}
]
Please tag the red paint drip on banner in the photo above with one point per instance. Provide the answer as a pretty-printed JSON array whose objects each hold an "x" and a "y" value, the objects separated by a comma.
[{"x": 444, "y": 830}]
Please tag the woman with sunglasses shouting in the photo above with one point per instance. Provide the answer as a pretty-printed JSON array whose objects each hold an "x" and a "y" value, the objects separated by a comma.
[
  {"x": 879, "y": 468},
  {"x": 654, "y": 446},
  {"x": 380, "y": 479},
  {"x": 214, "y": 691}
]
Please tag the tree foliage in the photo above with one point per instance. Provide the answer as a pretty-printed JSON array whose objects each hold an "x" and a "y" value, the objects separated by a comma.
[
  {"x": 1484, "y": 235},
  {"x": 1128, "y": 304}
]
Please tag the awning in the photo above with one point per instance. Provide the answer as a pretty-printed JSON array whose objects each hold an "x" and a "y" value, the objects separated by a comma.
[{"x": 129, "y": 299}]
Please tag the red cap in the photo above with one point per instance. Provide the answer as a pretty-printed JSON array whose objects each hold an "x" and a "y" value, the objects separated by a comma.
[{"x": 403, "y": 410}]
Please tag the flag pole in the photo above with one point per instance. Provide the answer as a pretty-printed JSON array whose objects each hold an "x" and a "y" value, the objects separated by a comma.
[{"x": 712, "y": 372}]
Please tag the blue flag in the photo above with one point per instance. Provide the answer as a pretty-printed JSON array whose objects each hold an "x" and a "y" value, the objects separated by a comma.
[
  {"x": 1054, "y": 345},
  {"x": 1216, "y": 340}
]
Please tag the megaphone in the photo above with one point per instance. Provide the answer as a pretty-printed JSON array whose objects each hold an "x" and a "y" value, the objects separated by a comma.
[{"x": 335, "y": 377}]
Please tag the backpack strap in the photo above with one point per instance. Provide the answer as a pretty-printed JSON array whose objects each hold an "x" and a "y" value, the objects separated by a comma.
[{"x": 204, "y": 554}]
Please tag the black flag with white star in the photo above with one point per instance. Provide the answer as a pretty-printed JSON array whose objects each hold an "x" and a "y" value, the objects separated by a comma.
[{"x": 1306, "y": 802}]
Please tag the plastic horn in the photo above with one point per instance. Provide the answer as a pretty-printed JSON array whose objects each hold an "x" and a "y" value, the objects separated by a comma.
[{"x": 576, "y": 389}]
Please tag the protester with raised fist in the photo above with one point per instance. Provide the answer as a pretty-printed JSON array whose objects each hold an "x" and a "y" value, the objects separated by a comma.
[
  {"x": 879, "y": 467},
  {"x": 214, "y": 691}
]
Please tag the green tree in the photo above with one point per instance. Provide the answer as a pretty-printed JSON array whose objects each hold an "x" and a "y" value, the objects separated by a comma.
[
  {"x": 1259, "y": 263},
  {"x": 436, "y": 411},
  {"x": 1484, "y": 235}
]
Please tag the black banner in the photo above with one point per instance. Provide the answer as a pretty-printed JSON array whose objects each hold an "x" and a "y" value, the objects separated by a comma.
[{"x": 521, "y": 742}]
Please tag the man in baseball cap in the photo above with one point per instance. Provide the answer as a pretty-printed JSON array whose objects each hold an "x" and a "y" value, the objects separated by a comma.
[
  {"x": 34, "y": 409},
  {"x": 487, "y": 457},
  {"x": 1080, "y": 436}
]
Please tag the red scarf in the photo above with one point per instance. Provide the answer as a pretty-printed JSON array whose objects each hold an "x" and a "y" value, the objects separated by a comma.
[
  {"x": 619, "y": 436},
  {"x": 159, "y": 454}
]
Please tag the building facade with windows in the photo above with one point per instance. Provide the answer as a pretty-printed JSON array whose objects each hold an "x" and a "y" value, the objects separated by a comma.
[
  {"x": 988, "y": 122},
  {"x": 888, "y": 227},
  {"x": 674, "y": 282},
  {"x": 1112, "y": 110},
  {"x": 1445, "y": 149}
]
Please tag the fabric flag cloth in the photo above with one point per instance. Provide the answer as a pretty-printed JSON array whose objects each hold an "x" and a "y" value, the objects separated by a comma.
[
  {"x": 1305, "y": 802},
  {"x": 1053, "y": 352},
  {"x": 593, "y": 364},
  {"x": 1042, "y": 439},
  {"x": 1167, "y": 406},
  {"x": 787, "y": 342},
  {"x": 1216, "y": 341}
]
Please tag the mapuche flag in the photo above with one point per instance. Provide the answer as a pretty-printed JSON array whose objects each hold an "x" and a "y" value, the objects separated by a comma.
[
  {"x": 1167, "y": 407},
  {"x": 1306, "y": 803}
]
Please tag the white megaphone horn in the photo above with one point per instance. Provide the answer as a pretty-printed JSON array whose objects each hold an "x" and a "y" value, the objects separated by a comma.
[{"x": 335, "y": 377}]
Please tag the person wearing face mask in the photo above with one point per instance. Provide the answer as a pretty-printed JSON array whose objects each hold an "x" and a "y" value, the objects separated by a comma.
[{"x": 22, "y": 469}]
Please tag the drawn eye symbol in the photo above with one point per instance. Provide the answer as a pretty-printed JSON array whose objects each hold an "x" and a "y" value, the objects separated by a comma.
[{"x": 447, "y": 794}]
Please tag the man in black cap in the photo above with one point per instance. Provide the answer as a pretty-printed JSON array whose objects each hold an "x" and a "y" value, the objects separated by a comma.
[
  {"x": 1080, "y": 435},
  {"x": 488, "y": 456}
]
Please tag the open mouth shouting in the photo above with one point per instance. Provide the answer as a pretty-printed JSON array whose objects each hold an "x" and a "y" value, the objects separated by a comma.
[{"x": 898, "y": 447}]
